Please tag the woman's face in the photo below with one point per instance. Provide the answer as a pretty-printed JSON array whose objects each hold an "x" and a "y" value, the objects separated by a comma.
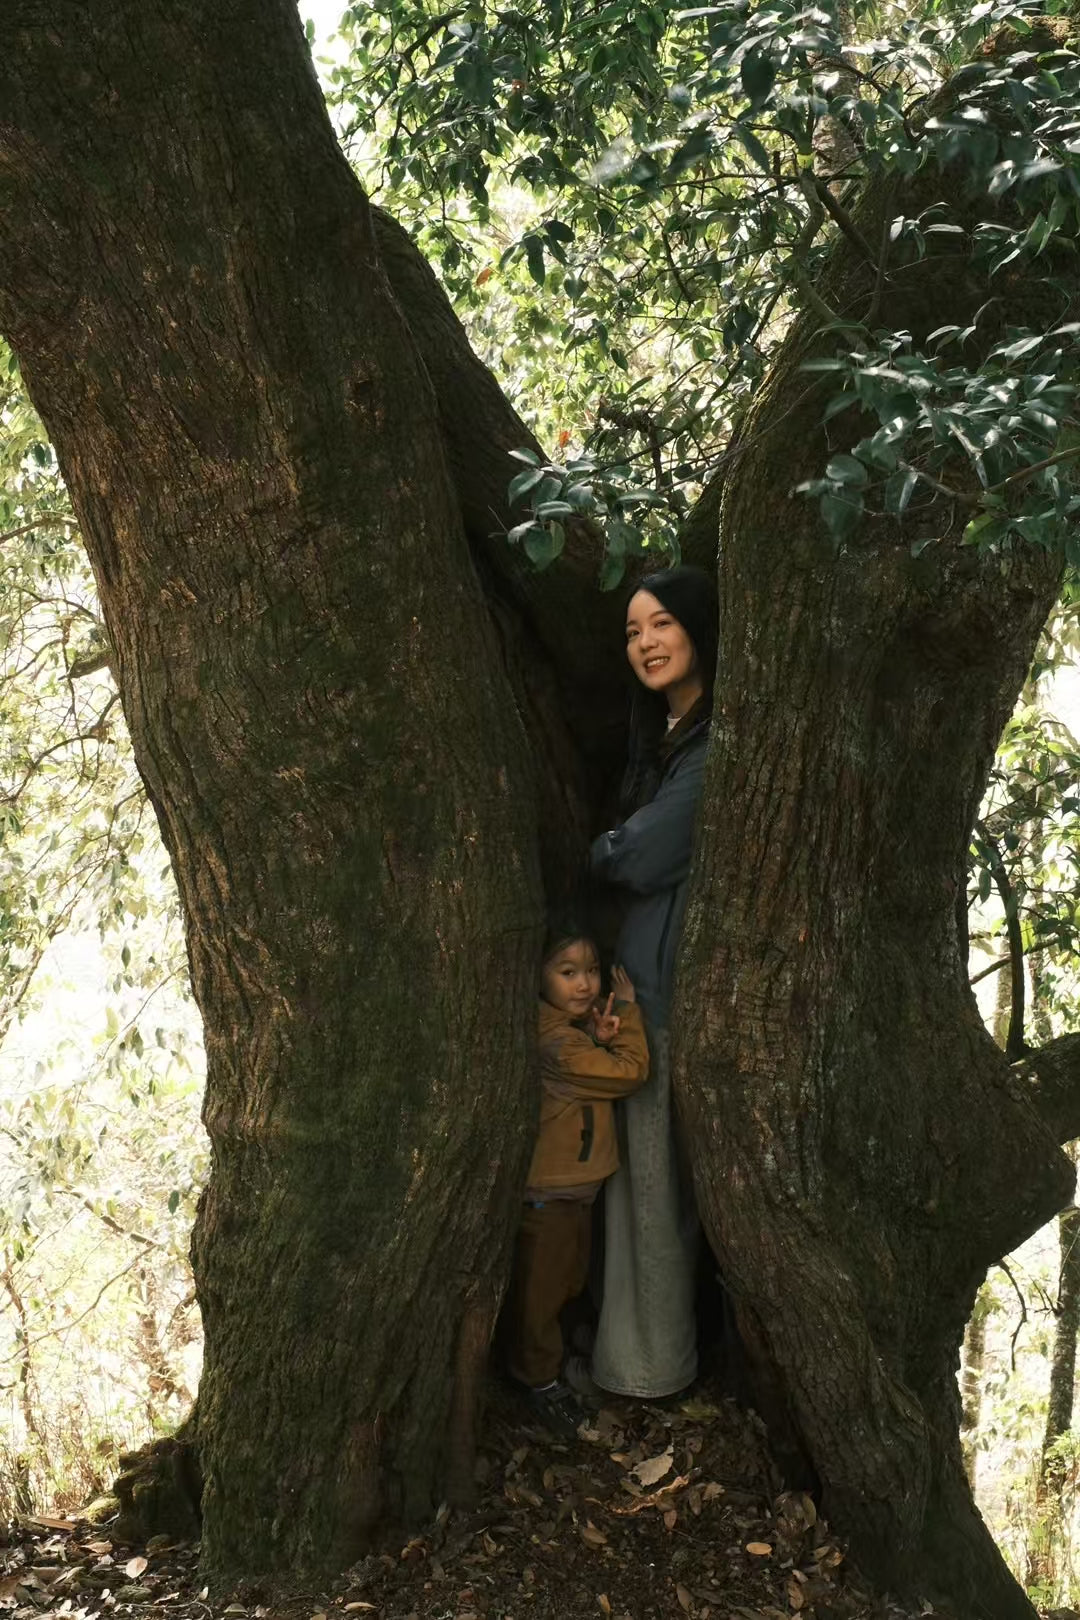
[{"x": 661, "y": 653}]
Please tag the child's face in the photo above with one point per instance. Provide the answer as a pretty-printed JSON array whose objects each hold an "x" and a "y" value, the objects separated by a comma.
[{"x": 570, "y": 979}]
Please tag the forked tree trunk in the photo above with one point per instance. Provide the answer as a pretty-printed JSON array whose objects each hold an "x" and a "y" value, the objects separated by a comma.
[
  {"x": 319, "y": 711},
  {"x": 861, "y": 1155},
  {"x": 321, "y": 717}
]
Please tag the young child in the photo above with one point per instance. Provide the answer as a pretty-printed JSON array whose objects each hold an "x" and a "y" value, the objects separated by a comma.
[{"x": 589, "y": 1055}]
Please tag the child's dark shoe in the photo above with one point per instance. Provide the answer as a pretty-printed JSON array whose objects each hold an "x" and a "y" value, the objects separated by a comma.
[
  {"x": 557, "y": 1409},
  {"x": 576, "y": 1373}
]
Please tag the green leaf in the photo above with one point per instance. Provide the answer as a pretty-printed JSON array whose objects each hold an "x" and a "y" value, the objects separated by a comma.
[
  {"x": 899, "y": 489},
  {"x": 549, "y": 489},
  {"x": 612, "y": 570},
  {"x": 844, "y": 469},
  {"x": 534, "y": 253},
  {"x": 761, "y": 158},
  {"x": 696, "y": 146},
  {"x": 523, "y": 482},
  {"x": 541, "y": 547},
  {"x": 174, "y": 1201},
  {"x": 978, "y": 526},
  {"x": 841, "y": 514},
  {"x": 758, "y": 74}
]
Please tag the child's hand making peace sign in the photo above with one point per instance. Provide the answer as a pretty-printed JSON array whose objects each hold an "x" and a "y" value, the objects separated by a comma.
[{"x": 605, "y": 1025}]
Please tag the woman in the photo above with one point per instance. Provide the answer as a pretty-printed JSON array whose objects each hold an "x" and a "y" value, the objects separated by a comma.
[{"x": 646, "y": 1339}]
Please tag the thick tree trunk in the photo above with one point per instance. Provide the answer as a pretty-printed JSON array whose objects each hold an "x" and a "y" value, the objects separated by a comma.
[
  {"x": 560, "y": 634},
  {"x": 321, "y": 717},
  {"x": 319, "y": 708},
  {"x": 861, "y": 1150}
]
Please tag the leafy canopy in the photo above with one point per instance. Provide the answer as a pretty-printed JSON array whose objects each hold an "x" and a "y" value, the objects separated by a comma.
[{"x": 672, "y": 179}]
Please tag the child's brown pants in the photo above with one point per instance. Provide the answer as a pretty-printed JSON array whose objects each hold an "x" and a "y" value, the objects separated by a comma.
[{"x": 551, "y": 1267}]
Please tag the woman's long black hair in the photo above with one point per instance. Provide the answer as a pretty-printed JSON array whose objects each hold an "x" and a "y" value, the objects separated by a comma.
[{"x": 689, "y": 595}]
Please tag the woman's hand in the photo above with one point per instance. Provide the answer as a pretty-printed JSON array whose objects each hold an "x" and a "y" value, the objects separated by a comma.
[
  {"x": 622, "y": 985},
  {"x": 605, "y": 1025}
]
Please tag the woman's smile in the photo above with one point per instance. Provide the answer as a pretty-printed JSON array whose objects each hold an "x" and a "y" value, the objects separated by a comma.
[{"x": 661, "y": 653}]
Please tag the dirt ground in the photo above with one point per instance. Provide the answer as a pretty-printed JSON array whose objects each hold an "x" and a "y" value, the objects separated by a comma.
[{"x": 653, "y": 1512}]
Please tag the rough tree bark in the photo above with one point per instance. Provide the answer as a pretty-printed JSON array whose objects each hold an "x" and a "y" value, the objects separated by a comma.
[
  {"x": 862, "y": 1149},
  {"x": 262, "y": 470},
  {"x": 320, "y": 714}
]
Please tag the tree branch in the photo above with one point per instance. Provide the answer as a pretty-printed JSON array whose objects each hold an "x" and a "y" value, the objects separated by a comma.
[
  {"x": 38, "y": 523},
  {"x": 845, "y": 222},
  {"x": 1050, "y": 1080},
  {"x": 1014, "y": 1041},
  {"x": 89, "y": 665},
  {"x": 107, "y": 1220}
]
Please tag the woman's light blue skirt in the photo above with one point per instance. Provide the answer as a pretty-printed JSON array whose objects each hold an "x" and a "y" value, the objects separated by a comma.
[{"x": 646, "y": 1339}]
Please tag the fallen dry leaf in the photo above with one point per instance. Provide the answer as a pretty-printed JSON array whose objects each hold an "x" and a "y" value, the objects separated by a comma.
[
  {"x": 760, "y": 1549},
  {"x": 656, "y": 1499},
  {"x": 686, "y": 1599},
  {"x": 591, "y": 1536},
  {"x": 653, "y": 1469},
  {"x": 712, "y": 1491},
  {"x": 519, "y": 1493},
  {"x": 604, "y": 1602},
  {"x": 356, "y": 1608},
  {"x": 794, "y": 1593},
  {"x": 135, "y": 1566},
  {"x": 670, "y": 1518},
  {"x": 98, "y": 1547}
]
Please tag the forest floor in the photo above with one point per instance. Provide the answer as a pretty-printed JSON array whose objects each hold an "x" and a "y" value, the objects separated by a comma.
[{"x": 653, "y": 1512}]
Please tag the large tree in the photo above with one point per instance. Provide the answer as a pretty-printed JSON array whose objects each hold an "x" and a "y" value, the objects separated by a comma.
[{"x": 373, "y": 733}]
